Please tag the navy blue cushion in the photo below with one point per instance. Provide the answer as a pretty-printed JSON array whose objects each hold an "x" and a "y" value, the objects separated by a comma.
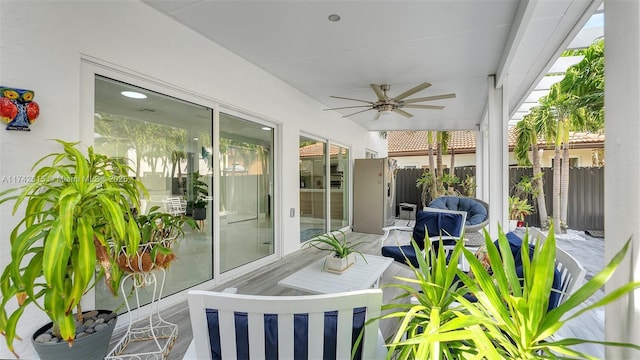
[
  {"x": 436, "y": 224},
  {"x": 554, "y": 298},
  {"x": 515, "y": 243},
  {"x": 301, "y": 335},
  {"x": 398, "y": 254},
  {"x": 476, "y": 212}
]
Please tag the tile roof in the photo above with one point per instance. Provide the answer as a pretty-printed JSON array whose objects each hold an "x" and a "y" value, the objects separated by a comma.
[
  {"x": 465, "y": 140},
  {"x": 462, "y": 141},
  {"x": 317, "y": 149}
]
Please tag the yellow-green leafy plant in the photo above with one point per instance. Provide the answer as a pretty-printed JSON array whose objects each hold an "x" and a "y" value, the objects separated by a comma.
[
  {"x": 434, "y": 324},
  {"x": 509, "y": 320},
  {"x": 75, "y": 215},
  {"x": 519, "y": 324}
]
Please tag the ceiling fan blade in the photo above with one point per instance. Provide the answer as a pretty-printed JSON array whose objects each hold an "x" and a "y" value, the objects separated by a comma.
[
  {"x": 345, "y": 98},
  {"x": 429, "y": 98},
  {"x": 377, "y": 89},
  {"x": 409, "y": 92},
  {"x": 357, "y": 112},
  {"x": 433, "y": 107},
  {"x": 348, "y": 107},
  {"x": 403, "y": 113}
]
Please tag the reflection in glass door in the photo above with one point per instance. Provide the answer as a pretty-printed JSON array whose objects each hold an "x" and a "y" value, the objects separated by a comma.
[
  {"x": 339, "y": 193},
  {"x": 246, "y": 191},
  {"x": 312, "y": 188},
  {"x": 168, "y": 146}
]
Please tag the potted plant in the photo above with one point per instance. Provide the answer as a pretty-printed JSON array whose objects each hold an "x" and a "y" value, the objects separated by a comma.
[
  {"x": 342, "y": 253},
  {"x": 77, "y": 208},
  {"x": 158, "y": 233},
  {"x": 518, "y": 209},
  {"x": 199, "y": 209},
  {"x": 198, "y": 190}
]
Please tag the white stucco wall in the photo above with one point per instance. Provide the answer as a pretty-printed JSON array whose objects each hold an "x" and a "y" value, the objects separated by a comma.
[{"x": 42, "y": 47}]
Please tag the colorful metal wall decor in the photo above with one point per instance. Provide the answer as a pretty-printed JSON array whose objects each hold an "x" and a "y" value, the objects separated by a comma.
[{"x": 17, "y": 108}]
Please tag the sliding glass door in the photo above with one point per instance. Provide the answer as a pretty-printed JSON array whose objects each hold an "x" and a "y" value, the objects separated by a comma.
[
  {"x": 324, "y": 189},
  {"x": 246, "y": 191},
  {"x": 167, "y": 143},
  {"x": 313, "y": 182},
  {"x": 339, "y": 190}
]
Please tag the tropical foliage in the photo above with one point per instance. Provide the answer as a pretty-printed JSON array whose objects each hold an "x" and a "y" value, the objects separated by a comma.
[
  {"x": 431, "y": 325},
  {"x": 341, "y": 247},
  {"x": 574, "y": 104},
  {"x": 509, "y": 320},
  {"x": 77, "y": 208},
  {"x": 434, "y": 181},
  {"x": 519, "y": 208}
]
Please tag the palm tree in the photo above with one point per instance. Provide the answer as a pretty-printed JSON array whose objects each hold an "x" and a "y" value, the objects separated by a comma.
[
  {"x": 576, "y": 103},
  {"x": 527, "y": 137},
  {"x": 432, "y": 170}
]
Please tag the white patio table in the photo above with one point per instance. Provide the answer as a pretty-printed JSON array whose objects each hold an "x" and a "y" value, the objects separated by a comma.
[{"x": 362, "y": 275}]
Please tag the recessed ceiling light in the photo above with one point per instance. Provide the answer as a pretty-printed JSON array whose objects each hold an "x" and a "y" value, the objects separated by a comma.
[
  {"x": 133, "y": 95},
  {"x": 334, "y": 17}
]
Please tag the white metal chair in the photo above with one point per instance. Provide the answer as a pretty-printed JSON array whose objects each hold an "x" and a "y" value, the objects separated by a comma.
[
  {"x": 572, "y": 274},
  {"x": 234, "y": 326},
  {"x": 175, "y": 206}
]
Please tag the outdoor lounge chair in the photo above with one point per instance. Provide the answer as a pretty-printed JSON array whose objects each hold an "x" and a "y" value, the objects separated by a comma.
[
  {"x": 477, "y": 215},
  {"x": 234, "y": 326},
  {"x": 431, "y": 224}
]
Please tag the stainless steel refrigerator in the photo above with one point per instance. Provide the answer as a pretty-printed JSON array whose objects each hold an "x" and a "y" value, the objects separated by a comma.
[{"x": 373, "y": 195}]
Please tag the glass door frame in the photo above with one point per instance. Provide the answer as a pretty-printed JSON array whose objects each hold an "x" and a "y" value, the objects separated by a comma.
[
  {"x": 277, "y": 207},
  {"x": 90, "y": 68},
  {"x": 327, "y": 175}
]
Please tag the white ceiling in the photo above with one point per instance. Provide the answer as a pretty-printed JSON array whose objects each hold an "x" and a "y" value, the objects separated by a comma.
[{"x": 452, "y": 44}]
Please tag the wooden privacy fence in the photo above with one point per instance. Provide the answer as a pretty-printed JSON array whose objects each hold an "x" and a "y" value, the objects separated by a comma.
[{"x": 586, "y": 193}]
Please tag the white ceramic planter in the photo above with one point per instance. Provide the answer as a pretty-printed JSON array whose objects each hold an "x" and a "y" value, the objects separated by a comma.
[
  {"x": 513, "y": 224},
  {"x": 338, "y": 265}
]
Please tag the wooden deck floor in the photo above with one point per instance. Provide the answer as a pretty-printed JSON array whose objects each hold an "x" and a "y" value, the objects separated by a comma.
[{"x": 589, "y": 252}]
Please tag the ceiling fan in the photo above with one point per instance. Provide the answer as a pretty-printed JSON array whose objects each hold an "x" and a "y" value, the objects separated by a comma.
[{"x": 386, "y": 105}]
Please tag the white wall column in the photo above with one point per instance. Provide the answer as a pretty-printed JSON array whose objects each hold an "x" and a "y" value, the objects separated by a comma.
[
  {"x": 498, "y": 169},
  {"x": 622, "y": 169},
  {"x": 482, "y": 160}
]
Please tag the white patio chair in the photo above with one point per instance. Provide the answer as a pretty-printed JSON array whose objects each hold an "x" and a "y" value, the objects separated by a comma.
[
  {"x": 234, "y": 326},
  {"x": 175, "y": 206},
  {"x": 572, "y": 274}
]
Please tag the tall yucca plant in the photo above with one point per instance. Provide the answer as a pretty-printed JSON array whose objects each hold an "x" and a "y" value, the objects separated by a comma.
[
  {"x": 519, "y": 325},
  {"x": 72, "y": 209}
]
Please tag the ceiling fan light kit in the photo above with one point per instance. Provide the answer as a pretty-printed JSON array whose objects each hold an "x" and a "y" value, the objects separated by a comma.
[{"x": 385, "y": 105}]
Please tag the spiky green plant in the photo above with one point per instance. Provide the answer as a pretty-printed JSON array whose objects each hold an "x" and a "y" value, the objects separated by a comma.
[
  {"x": 341, "y": 247},
  {"x": 435, "y": 324},
  {"x": 78, "y": 212},
  {"x": 520, "y": 327},
  {"x": 510, "y": 318}
]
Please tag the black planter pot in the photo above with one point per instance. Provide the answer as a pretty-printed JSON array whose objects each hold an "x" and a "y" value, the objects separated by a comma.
[
  {"x": 92, "y": 346},
  {"x": 199, "y": 213}
]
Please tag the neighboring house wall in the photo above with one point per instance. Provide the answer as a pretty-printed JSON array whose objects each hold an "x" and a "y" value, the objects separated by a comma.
[
  {"x": 422, "y": 161},
  {"x": 583, "y": 158},
  {"x": 43, "y": 47}
]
